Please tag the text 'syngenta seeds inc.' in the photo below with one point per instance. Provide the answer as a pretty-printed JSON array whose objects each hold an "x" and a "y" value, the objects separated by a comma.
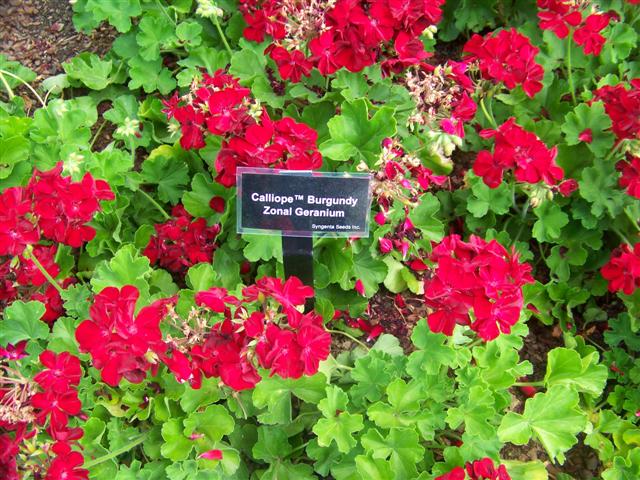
[{"x": 303, "y": 203}]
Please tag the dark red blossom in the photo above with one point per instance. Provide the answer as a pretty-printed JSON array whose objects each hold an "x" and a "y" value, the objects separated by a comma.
[
  {"x": 8, "y": 455},
  {"x": 182, "y": 242},
  {"x": 623, "y": 269},
  {"x": 63, "y": 371},
  {"x": 66, "y": 465},
  {"x": 277, "y": 337},
  {"x": 508, "y": 57},
  {"x": 57, "y": 407},
  {"x": 456, "y": 474},
  {"x": 63, "y": 207},
  {"x": 558, "y": 16},
  {"x": 476, "y": 275},
  {"x": 630, "y": 175},
  {"x": 17, "y": 226},
  {"x": 351, "y": 34},
  {"x": 218, "y": 105},
  {"x": 483, "y": 469},
  {"x": 520, "y": 150},
  {"x": 588, "y": 35},
  {"x": 623, "y": 107},
  {"x": 291, "y": 65},
  {"x": 121, "y": 344}
]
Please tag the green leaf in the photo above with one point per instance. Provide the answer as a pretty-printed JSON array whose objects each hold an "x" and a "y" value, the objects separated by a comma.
[
  {"x": 403, "y": 408},
  {"x": 401, "y": 447},
  {"x": 272, "y": 444},
  {"x": 201, "y": 277},
  {"x": 154, "y": 33},
  {"x": 566, "y": 367},
  {"x": 176, "y": 446},
  {"x": 247, "y": 64},
  {"x": 554, "y": 418},
  {"x": 170, "y": 174},
  {"x": 550, "y": 221},
  {"x": 203, "y": 189},
  {"x": 371, "y": 377},
  {"x": 116, "y": 12},
  {"x": 262, "y": 247},
  {"x": 434, "y": 351},
  {"x": 373, "y": 469},
  {"x": 484, "y": 198},
  {"x": 76, "y": 301},
  {"x": 624, "y": 468},
  {"x": 477, "y": 411},
  {"x": 127, "y": 267},
  {"x": 89, "y": 70},
  {"x": 526, "y": 470},
  {"x": 150, "y": 75},
  {"x": 189, "y": 32},
  {"x": 338, "y": 424},
  {"x": 424, "y": 218},
  {"x": 63, "y": 336},
  {"x": 21, "y": 321},
  {"x": 274, "y": 393},
  {"x": 599, "y": 186},
  {"x": 354, "y": 134},
  {"x": 214, "y": 422},
  {"x": 192, "y": 399},
  {"x": 372, "y": 272},
  {"x": 594, "y": 118}
]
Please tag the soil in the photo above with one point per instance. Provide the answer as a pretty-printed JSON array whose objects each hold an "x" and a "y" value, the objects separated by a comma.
[
  {"x": 398, "y": 321},
  {"x": 40, "y": 35}
]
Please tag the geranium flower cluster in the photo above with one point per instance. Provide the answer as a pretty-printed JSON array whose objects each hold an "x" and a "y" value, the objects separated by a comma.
[
  {"x": 19, "y": 276},
  {"x": 483, "y": 469},
  {"x": 399, "y": 177},
  {"x": 276, "y": 336},
  {"x": 122, "y": 344},
  {"x": 51, "y": 207},
  {"x": 477, "y": 275},
  {"x": 218, "y": 105},
  {"x": 508, "y": 57},
  {"x": 561, "y": 17},
  {"x": 623, "y": 269},
  {"x": 49, "y": 400},
  {"x": 518, "y": 150},
  {"x": 349, "y": 34},
  {"x": 442, "y": 96},
  {"x": 182, "y": 242},
  {"x": 623, "y": 107},
  {"x": 630, "y": 175}
]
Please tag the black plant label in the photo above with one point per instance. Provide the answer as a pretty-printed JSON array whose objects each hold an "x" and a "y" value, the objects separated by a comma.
[{"x": 298, "y": 204}]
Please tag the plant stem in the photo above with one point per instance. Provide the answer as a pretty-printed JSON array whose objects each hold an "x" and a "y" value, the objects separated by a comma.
[
  {"x": 28, "y": 254},
  {"x": 525, "y": 209},
  {"x": 529, "y": 384},
  {"x": 7, "y": 87},
  {"x": 224, "y": 39},
  {"x": 622, "y": 236},
  {"x": 26, "y": 84},
  {"x": 155, "y": 204},
  {"x": 569, "y": 69},
  {"x": 487, "y": 115},
  {"x": 613, "y": 151},
  {"x": 165, "y": 11},
  {"x": 95, "y": 137},
  {"x": 351, "y": 337},
  {"x": 134, "y": 443},
  {"x": 632, "y": 220}
]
